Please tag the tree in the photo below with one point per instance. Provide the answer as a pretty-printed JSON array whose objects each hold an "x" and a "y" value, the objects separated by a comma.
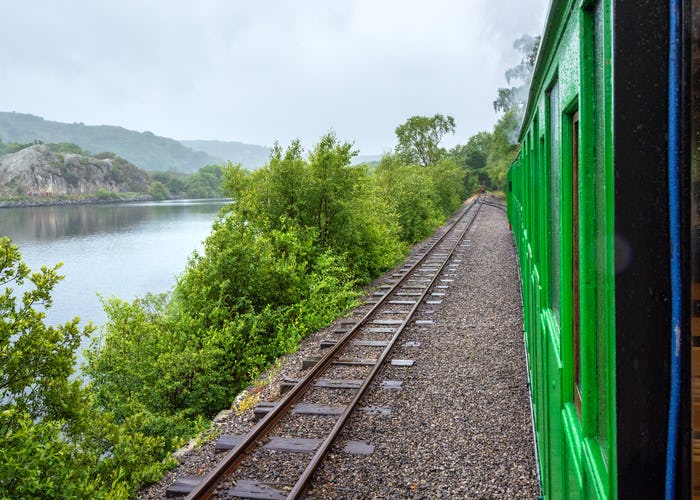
[
  {"x": 332, "y": 185},
  {"x": 203, "y": 184},
  {"x": 449, "y": 184},
  {"x": 477, "y": 150},
  {"x": 504, "y": 147},
  {"x": 419, "y": 138},
  {"x": 54, "y": 443},
  {"x": 158, "y": 191},
  {"x": 411, "y": 192},
  {"x": 287, "y": 182},
  {"x": 473, "y": 157},
  {"x": 215, "y": 170},
  {"x": 173, "y": 183},
  {"x": 36, "y": 359}
]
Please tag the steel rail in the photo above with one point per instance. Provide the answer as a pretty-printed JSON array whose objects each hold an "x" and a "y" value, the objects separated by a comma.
[
  {"x": 237, "y": 454},
  {"x": 496, "y": 204}
]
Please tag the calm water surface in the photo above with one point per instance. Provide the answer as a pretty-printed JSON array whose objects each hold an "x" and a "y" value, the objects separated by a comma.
[{"x": 124, "y": 250}]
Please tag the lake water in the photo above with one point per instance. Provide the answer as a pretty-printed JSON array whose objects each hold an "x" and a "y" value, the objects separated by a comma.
[{"x": 123, "y": 249}]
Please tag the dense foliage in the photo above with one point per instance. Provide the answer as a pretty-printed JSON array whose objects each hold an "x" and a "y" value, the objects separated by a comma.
[
  {"x": 419, "y": 138},
  {"x": 54, "y": 441},
  {"x": 284, "y": 259},
  {"x": 205, "y": 183},
  {"x": 12, "y": 147}
]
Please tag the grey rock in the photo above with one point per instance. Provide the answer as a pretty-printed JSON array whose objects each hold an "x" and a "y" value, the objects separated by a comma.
[{"x": 36, "y": 169}]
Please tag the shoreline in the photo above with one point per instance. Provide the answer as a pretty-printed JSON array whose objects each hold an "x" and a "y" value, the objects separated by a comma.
[{"x": 48, "y": 202}]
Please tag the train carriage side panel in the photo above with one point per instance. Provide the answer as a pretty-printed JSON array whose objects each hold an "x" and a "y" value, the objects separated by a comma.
[{"x": 566, "y": 250}]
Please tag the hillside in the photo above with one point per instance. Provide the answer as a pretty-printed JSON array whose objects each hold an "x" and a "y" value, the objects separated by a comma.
[
  {"x": 37, "y": 169},
  {"x": 249, "y": 155},
  {"x": 144, "y": 149}
]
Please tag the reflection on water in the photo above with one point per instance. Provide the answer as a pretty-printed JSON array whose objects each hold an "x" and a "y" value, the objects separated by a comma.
[
  {"x": 66, "y": 221},
  {"x": 124, "y": 250}
]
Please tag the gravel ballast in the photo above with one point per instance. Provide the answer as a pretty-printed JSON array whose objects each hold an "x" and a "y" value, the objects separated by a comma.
[{"x": 459, "y": 425}]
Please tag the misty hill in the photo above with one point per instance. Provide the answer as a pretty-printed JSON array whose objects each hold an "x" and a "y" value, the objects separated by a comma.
[
  {"x": 249, "y": 155},
  {"x": 144, "y": 149},
  {"x": 38, "y": 169},
  {"x": 369, "y": 159}
]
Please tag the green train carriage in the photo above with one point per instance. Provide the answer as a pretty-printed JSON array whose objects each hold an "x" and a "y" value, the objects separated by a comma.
[{"x": 603, "y": 202}]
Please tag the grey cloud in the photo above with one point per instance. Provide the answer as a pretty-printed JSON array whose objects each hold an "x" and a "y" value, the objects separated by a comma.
[{"x": 261, "y": 71}]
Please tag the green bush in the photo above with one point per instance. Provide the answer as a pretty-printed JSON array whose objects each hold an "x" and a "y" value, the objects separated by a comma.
[
  {"x": 410, "y": 193},
  {"x": 55, "y": 442},
  {"x": 176, "y": 186},
  {"x": 103, "y": 194},
  {"x": 203, "y": 185},
  {"x": 158, "y": 191}
]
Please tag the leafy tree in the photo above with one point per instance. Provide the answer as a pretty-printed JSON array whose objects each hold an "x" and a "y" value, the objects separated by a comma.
[
  {"x": 203, "y": 185},
  {"x": 103, "y": 194},
  {"x": 54, "y": 443},
  {"x": 419, "y": 138},
  {"x": 449, "y": 184},
  {"x": 215, "y": 170},
  {"x": 206, "y": 183},
  {"x": 473, "y": 157},
  {"x": 68, "y": 147},
  {"x": 410, "y": 191},
  {"x": 37, "y": 359},
  {"x": 173, "y": 182},
  {"x": 331, "y": 186},
  {"x": 13, "y": 147},
  {"x": 325, "y": 196},
  {"x": 503, "y": 148},
  {"x": 144, "y": 366},
  {"x": 475, "y": 153},
  {"x": 158, "y": 191},
  {"x": 283, "y": 188}
]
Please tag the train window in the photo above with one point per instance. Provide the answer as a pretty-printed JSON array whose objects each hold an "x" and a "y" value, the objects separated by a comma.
[
  {"x": 554, "y": 207},
  {"x": 575, "y": 292}
]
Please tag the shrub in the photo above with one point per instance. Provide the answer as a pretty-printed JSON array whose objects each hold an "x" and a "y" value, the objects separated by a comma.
[
  {"x": 158, "y": 191},
  {"x": 55, "y": 441},
  {"x": 103, "y": 194}
]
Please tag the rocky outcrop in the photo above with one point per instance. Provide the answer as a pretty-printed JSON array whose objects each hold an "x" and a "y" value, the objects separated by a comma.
[{"x": 38, "y": 170}]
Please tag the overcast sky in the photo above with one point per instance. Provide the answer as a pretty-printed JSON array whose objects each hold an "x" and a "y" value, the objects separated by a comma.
[{"x": 260, "y": 71}]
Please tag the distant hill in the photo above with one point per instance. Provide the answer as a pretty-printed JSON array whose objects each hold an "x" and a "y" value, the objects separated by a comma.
[
  {"x": 38, "y": 169},
  {"x": 249, "y": 155},
  {"x": 369, "y": 159},
  {"x": 144, "y": 149}
]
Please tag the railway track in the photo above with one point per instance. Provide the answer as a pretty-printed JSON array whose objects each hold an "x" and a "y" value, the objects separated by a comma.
[{"x": 282, "y": 452}]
